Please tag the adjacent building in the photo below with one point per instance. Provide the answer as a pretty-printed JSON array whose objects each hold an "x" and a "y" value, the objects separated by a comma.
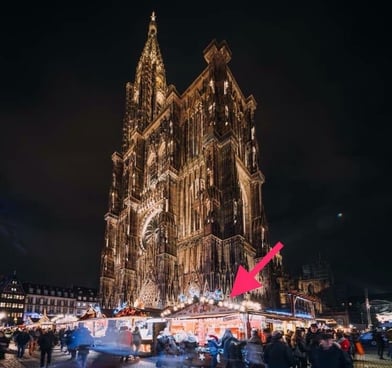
[
  {"x": 54, "y": 301},
  {"x": 12, "y": 300},
  {"x": 24, "y": 303},
  {"x": 185, "y": 202}
]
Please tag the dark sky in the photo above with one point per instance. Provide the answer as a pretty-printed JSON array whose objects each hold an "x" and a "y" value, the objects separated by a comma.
[{"x": 318, "y": 71}]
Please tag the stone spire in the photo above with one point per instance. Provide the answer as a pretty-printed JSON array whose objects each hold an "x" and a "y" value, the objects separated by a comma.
[{"x": 150, "y": 81}]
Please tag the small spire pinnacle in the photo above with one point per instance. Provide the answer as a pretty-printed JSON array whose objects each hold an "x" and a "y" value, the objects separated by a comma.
[{"x": 152, "y": 28}]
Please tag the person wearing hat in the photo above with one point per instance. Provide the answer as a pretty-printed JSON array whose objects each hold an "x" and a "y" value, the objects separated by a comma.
[
  {"x": 277, "y": 354},
  {"x": 213, "y": 348},
  {"x": 329, "y": 355}
]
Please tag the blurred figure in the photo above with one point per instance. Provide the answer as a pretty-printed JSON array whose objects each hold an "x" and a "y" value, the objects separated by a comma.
[
  {"x": 62, "y": 338},
  {"x": 299, "y": 349},
  {"x": 388, "y": 335},
  {"x": 288, "y": 336},
  {"x": 34, "y": 335},
  {"x": 46, "y": 342},
  {"x": 213, "y": 347},
  {"x": 136, "y": 340},
  {"x": 4, "y": 342},
  {"x": 71, "y": 344},
  {"x": 345, "y": 345},
  {"x": 277, "y": 354},
  {"x": 254, "y": 351},
  {"x": 227, "y": 339},
  {"x": 329, "y": 354},
  {"x": 111, "y": 335},
  {"x": 22, "y": 339},
  {"x": 380, "y": 341},
  {"x": 312, "y": 341},
  {"x": 160, "y": 348},
  {"x": 357, "y": 344},
  {"x": 266, "y": 336},
  {"x": 82, "y": 341},
  {"x": 124, "y": 341},
  {"x": 234, "y": 356}
]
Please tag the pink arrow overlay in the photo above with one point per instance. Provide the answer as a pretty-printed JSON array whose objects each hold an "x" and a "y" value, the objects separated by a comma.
[{"x": 245, "y": 281}]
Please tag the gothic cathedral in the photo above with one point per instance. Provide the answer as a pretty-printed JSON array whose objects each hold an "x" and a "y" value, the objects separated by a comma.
[{"x": 185, "y": 201}]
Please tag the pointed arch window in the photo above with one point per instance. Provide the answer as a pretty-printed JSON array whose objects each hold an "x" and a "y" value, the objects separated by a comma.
[{"x": 152, "y": 165}]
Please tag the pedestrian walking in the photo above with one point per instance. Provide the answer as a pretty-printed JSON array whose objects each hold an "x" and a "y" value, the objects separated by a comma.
[
  {"x": 84, "y": 341},
  {"x": 46, "y": 342},
  {"x": 312, "y": 341},
  {"x": 253, "y": 351},
  {"x": 277, "y": 354},
  {"x": 124, "y": 341},
  {"x": 213, "y": 348},
  {"x": 4, "y": 342},
  {"x": 380, "y": 342},
  {"x": 299, "y": 349},
  {"x": 136, "y": 340},
  {"x": 22, "y": 338}
]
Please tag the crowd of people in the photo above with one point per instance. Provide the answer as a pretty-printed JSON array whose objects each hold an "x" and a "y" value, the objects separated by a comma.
[
  {"x": 305, "y": 347},
  {"x": 75, "y": 342}
]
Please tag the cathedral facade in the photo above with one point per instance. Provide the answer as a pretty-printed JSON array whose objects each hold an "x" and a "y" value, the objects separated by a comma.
[{"x": 185, "y": 201}]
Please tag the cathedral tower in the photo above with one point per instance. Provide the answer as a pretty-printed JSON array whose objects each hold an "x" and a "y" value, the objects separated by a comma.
[{"x": 185, "y": 202}]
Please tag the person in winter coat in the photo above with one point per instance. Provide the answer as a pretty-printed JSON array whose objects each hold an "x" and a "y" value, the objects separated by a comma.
[
  {"x": 312, "y": 340},
  {"x": 345, "y": 345},
  {"x": 299, "y": 349},
  {"x": 226, "y": 341},
  {"x": 234, "y": 358},
  {"x": 277, "y": 354},
  {"x": 136, "y": 340},
  {"x": 81, "y": 340},
  {"x": 124, "y": 341},
  {"x": 254, "y": 351},
  {"x": 22, "y": 339},
  {"x": 379, "y": 337},
  {"x": 71, "y": 345},
  {"x": 46, "y": 342},
  {"x": 329, "y": 354},
  {"x": 162, "y": 343},
  {"x": 213, "y": 348},
  {"x": 4, "y": 342}
]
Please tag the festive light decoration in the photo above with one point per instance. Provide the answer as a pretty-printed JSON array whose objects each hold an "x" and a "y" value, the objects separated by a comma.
[{"x": 244, "y": 306}]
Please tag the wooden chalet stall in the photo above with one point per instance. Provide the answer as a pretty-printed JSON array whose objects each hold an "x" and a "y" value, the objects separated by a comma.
[
  {"x": 211, "y": 317},
  {"x": 104, "y": 329}
]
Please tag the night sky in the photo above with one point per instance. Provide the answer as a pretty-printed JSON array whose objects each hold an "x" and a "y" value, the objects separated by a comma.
[{"x": 317, "y": 70}]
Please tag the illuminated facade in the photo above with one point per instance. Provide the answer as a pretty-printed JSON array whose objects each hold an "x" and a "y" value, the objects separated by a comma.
[
  {"x": 12, "y": 300},
  {"x": 53, "y": 301},
  {"x": 185, "y": 202}
]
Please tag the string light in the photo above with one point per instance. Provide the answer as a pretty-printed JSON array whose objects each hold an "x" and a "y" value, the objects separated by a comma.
[{"x": 244, "y": 306}]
